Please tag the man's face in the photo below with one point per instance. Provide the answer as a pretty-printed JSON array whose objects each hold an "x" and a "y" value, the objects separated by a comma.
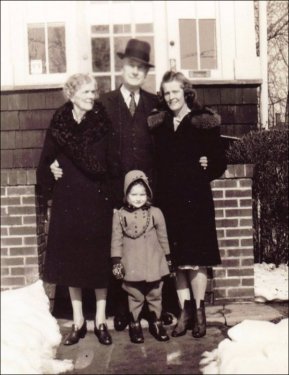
[{"x": 133, "y": 73}]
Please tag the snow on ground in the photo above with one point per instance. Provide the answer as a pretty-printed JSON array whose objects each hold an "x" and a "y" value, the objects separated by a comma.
[
  {"x": 271, "y": 282},
  {"x": 30, "y": 335},
  {"x": 255, "y": 347}
]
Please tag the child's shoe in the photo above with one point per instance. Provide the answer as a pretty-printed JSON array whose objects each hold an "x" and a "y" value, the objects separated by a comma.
[
  {"x": 135, "y": 331},
  {"x": 157, "y": 329}
]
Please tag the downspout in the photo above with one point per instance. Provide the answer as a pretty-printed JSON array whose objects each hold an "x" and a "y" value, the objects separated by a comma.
[{"x": 264, "y": 64}]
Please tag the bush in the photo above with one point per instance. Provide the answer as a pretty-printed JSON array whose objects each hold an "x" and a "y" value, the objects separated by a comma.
[{"x": 268, "y": 150}]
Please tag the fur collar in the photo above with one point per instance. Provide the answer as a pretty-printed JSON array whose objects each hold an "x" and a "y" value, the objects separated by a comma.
[
  {"x": 78, "y": 141},
  {"x": 204, "y": 118}
]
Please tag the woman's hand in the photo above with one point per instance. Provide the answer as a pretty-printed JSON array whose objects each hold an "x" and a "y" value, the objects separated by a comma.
[
  {"x": 204, "y": 162},
  {"x": 56, "y": 170}
]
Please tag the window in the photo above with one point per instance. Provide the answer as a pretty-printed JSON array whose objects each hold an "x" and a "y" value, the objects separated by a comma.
[
  {"x": 46, "y": 48},
  {"x": 110, "y": 29},
  {"x": 198, "y": 44}
]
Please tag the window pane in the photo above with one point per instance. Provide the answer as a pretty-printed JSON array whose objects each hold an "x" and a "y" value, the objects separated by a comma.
[
  {"x": 119, "y": 29},
  {"x": 150, "y": 40},
  {"x": 100, "y": 54},
  {"x": 56, "y": 49},
  {"x": 119, "y": 46},
  {"x": 100, "y": 29},
  {"x": 104, "y": 84},
  {"x": 36, "y": 48},
  {"x": 118, "y": 81},
  {"x": 208, "y": 48},
  {"x": 188, "y": 44},
  {"x": 144, "y": 28}
]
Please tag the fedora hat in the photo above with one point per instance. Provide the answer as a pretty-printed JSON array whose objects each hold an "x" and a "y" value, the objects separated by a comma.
[{"x": 138, "y": 50}]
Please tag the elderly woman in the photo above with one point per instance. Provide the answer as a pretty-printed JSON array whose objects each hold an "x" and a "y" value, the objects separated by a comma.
[
  {"x": 189, "y": 155},
  {"x": 78, "y": 245}
]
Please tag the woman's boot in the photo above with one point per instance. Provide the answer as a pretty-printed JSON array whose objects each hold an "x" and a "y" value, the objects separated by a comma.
[
  {"x": 184, "y": 320},
  {"x": 199, "y": 321}
]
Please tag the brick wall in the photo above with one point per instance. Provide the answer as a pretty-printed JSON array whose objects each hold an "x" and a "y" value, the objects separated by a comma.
[
  {"x": 22, "y": 230},
  {"x": 234, "y": 280},
  {"x": 23, "y": 237}
]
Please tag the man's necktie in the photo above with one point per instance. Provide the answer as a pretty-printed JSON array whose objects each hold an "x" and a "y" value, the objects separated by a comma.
[{"x": 132, "y": 104}]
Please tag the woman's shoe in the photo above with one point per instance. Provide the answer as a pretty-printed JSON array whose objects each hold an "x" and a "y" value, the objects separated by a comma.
[
  {"x": 184, "y": 320},
  {"x": 102, "y": 334},
  {"x": 75, "y": 334},
  {"x": 199, "y": 323}
]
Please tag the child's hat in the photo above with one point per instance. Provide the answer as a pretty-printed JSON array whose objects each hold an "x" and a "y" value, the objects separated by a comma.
[{"x": 133, "y": 176}]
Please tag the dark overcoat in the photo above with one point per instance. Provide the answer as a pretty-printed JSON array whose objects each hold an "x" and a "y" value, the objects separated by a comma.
[
  {"x": 78, "y": 246},
  {"x": 130, "y": 141},
  {"x": 183, "y": 187}
]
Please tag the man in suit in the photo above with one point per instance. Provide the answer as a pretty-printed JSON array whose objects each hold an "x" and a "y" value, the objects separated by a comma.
[{"x": 130, "y": 145}]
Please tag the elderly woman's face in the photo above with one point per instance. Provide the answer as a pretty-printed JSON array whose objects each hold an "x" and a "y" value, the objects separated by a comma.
[
  {"x": 174, "y": 95},
  {"x": 84, "y": 97}
]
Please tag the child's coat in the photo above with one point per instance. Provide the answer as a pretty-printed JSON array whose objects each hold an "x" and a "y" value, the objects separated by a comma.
[{"x": 143, "y": 258}]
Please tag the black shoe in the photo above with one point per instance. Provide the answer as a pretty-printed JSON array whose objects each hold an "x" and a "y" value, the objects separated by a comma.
[
  {"x": 135, "y": 332},
  {"x": 157, "y": 329},
  {"x": 166, "y": 318},
  {"x": 184, "y": 320},
  {"x": 199, "y": 323},
  {"x": 102, "y": 334},
  {"x": 75, "y": 334},
  {"x": 120, "y": 322}
]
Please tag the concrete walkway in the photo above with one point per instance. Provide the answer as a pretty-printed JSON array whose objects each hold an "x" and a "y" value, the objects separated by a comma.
[{"x": 177, "y": 356}]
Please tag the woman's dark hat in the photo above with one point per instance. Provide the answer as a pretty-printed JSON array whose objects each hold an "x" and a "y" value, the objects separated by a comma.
[{"x": 138, "y": 50}]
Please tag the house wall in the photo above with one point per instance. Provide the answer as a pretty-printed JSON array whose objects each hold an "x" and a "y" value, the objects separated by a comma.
[
  {"x": 26, "y": 114},
  {"x": 23, "y": 232}
]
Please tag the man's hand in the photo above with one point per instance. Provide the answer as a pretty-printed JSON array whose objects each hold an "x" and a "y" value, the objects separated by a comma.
[
  {"x": 204, "y": 162},
  {"x": 56, "y": 170}
]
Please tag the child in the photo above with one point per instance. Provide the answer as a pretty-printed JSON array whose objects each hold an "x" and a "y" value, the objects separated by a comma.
[{"x": 140, "y": 254}]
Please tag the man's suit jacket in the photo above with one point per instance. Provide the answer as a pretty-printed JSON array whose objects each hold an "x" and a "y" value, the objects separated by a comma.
[{"x": 130, "y": 142}]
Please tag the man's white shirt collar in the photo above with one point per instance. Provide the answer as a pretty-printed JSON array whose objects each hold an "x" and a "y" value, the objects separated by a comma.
[{"x": 126, "y": 95}]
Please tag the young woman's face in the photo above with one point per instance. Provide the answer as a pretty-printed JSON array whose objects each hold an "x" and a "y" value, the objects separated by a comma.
[
  {"x": 137, "y": 196},
  {"x": 84, "y": 97},
  {"x": 174, "y": 96}
]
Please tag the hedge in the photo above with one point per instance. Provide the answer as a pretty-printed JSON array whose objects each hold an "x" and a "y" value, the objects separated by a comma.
[{"x": 268, "y": 150}]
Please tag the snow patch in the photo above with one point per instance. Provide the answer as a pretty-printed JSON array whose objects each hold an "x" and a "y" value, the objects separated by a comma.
[
  {"x": 256, "y": 347},
  {"x": 271, "y": 282},
  {"x": 30, "y": 335}
]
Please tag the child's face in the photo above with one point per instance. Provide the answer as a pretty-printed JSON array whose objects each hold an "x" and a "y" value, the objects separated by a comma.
[{"x": 137, "y": 196}]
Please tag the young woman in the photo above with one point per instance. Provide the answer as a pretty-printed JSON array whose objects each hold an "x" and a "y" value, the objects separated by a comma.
[{"x": 189, "y": 155}]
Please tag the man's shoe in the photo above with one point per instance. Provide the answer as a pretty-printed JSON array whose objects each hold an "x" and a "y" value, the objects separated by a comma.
[
  {"x": 102, "y": 334},
  {"x": 120, "y": 322},
  {"x": 135, "y": 332},
  {"x": 166, "y": 318},
  {"x": 75, "y": 334}
]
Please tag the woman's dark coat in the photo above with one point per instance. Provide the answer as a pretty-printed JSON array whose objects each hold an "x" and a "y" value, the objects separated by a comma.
[
  {"x": 78, "y": 247},
  {"x": 183, "y": 187}
]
